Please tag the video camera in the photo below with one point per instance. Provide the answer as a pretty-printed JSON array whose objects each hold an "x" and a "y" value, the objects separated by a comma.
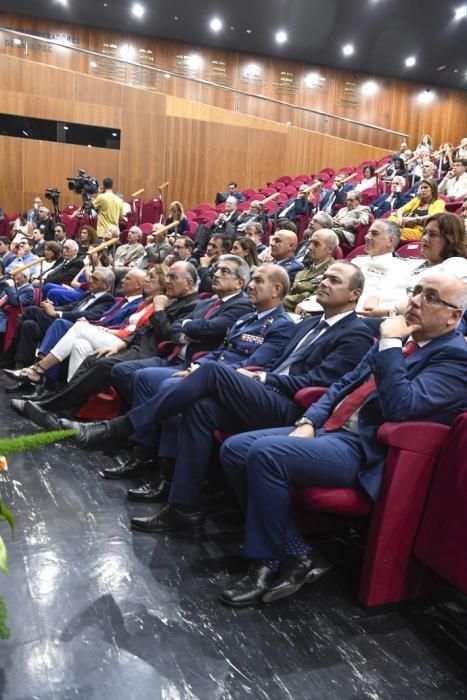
[
  {"x": 53, "y": 194},
  {"x": 83, "y": 184}
]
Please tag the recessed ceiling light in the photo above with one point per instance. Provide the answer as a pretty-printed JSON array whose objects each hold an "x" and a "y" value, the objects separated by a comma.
[
  {"x": 62, "y": 2},
  {"x": 215, "y": 24},
  {"x": 232, "y": 28},
  {"x": 410, "y": 61},
  {"x": 176, "y": 18},
  {"x": 460, "y": 13},
  {"x": 89, "y": 145},
  {"x": 369, "y": 88},
  {"x": 138, "y": 10},
  {"x": 248, "y": 31},
  {"x": 25, "y": 133},
  {"x": 93, "y": 64},
  {"x": 281, "y": 36},
  {"x": 441, "y": 68},
  {"x": 348, "y": 50},
  {"x": 114, "y": 133},
  {"x": 65, "y": 127}
]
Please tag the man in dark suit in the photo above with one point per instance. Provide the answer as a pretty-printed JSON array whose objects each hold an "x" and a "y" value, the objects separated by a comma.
[
  {"x": 335, "y": 197},
  {"x": 335, "y": 443},
  {"x": 94, "y": 374},
  {"x": 216, "y": 247},
  {"x": 37, "y": 320},
  {"x": 296, "y": 206},
  {"x": 256, "y": 338},
  {"x": 390, "y": 201},
  {"x": 66, "y": 271},
  {"x": 217, "y": 396}
]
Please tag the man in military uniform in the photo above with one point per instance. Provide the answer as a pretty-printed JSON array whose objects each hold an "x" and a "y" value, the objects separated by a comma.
[
  {"x": 283, "y": 246},
  {"x": 320, "y": 250}
]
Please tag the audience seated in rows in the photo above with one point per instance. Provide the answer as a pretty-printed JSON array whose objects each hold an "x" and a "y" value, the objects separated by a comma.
[{"x": 413, "y": 215}]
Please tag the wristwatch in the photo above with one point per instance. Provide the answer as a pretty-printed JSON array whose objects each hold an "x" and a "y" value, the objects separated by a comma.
[{"x": 304, "y": 421}]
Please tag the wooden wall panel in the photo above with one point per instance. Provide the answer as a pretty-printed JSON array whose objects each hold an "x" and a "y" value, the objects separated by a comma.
[
  {"x": 197, "y": 147},
  {"x": 394, "y": 107}
]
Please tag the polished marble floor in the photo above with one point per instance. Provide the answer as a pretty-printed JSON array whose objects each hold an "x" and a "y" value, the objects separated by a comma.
[{"x": 100, "y": 613}]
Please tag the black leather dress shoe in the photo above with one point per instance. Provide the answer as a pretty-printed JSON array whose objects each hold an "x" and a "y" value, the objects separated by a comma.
[
  {"x": 18, "y": 406},
  {"x": 251, "y": 588},
  {"x": 130, "y": 469},
  {"x": 295, "y": 572},
  {"x": 41, "y": 417},
  {"x": 170, "y": 519},
  {"x": 20, "y": 387},
  {"x": 153, "y": 492},
  {"x": 89, "y": 434}
]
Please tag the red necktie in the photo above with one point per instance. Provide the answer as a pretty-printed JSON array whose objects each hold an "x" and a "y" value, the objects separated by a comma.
[
  {"x": 209, "y": 311},
  {"x": 358, "y": 396}
]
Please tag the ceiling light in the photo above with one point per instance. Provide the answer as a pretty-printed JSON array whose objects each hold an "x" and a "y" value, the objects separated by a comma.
[
  {"x": 215, "y": 24},
  {"x": 369, "y": 88},
  {"x": 460, "y": 13},
  {"x": 89, "y": 145},
  {"x": 62, "y": 2},
  {"x": 25, "y": 133},
  {"x": 66, "y": 127},
  {"x": 348, "y": 50},
  {"x": 410, "y": 61},
  {"x": 93, "y": 64},
  {"x": 114, "y": 133},
  {"x": 281, "y": 37},
  {"x": 166, "y": 76},
  {"x": 248, "y": 31},
  {"x": 138, "y": 10}
]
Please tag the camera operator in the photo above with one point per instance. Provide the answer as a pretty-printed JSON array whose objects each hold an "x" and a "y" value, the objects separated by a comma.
[
  {"x": 45, "y": 223},
  {"x": 109, "y": 207}
]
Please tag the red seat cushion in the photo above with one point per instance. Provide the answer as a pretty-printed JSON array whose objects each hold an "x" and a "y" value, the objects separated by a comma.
[{"x": 345, "y": 501}]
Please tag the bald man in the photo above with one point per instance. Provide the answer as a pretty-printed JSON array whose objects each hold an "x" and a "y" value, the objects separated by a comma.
[
  {"x": 320, "y": 250},
  {"x": 283, "y": 246}
]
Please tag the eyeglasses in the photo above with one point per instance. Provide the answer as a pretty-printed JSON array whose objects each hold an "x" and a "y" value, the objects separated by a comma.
[{"x": 429, "y": 296}]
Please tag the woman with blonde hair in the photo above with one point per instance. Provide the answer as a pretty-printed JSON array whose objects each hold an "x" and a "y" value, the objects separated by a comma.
[
  {"x": 413, "y": 216},
  {"x": 177, "y": 214}
]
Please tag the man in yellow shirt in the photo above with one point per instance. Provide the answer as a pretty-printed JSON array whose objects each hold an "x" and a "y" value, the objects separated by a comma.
[{"x": 109, "y": 207}]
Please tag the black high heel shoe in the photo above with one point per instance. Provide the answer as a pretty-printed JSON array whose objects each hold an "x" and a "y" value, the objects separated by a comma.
[{"x": 23, "y": 378}]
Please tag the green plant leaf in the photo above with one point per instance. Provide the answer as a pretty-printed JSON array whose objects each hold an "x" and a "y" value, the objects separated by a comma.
[
  {"x": 3, "y": 557},
  {"x": 22, "y": 443},
  {"x": 5, "y": 513}
]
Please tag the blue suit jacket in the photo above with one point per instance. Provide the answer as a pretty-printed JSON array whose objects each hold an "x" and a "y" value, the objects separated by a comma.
[
  {"x": 117, "y": 315},
  {"x": 381, "y": 205},
  {"x": 71, "y": 312},
  {"x": 430, "y": 384},
  {"x": 254, "y": 341},
  {"x": 334, "y": 353},
  {"x": 23, "y": 297},
  {"x": 207, "y": 333}
]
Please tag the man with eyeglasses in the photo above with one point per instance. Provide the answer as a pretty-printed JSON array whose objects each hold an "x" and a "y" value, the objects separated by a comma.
[
  {"x": 129, "y": 253},
  {"x": 24, "y": 255},
  {"x": 350, "y": 216},
  {"x": 94, "y": 374},
  {"x": 69, "y": 266},
  {"x": 182, "y": 250},
  {"x": 334, "y": 444}
]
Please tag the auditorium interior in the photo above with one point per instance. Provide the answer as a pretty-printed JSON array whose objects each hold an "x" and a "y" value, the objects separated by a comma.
[{"x": 233, "y": 133}]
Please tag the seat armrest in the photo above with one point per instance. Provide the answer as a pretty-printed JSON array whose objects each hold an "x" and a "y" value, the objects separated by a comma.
[
  {"x": 423, "y": 437},
  {"x": 310, "y": 395}
]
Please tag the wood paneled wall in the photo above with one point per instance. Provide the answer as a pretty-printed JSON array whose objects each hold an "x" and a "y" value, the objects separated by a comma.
[
  {"x": 338, "y": 92},
  {"x": 198, "y": 148}
]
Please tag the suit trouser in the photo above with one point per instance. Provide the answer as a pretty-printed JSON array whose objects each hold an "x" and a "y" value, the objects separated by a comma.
[
  {"x": 93, "y": 375},
  {"x": 59, "y": 295},
  {"x": 213, "y": 397},
  {"x": 261, "y": 466},
  {"x": 32, "y": 329}
]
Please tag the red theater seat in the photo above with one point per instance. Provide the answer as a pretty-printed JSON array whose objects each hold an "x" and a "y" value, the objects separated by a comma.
[
  {"x": 410, "y": 250},
  {"x": 442, "y": 541},
  {"x": 390, "y": 571}
]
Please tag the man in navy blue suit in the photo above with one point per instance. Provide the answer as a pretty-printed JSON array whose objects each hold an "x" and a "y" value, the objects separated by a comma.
[
  {"x": 217, "y": 396},
  {"x": 335, "y": 443}
]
